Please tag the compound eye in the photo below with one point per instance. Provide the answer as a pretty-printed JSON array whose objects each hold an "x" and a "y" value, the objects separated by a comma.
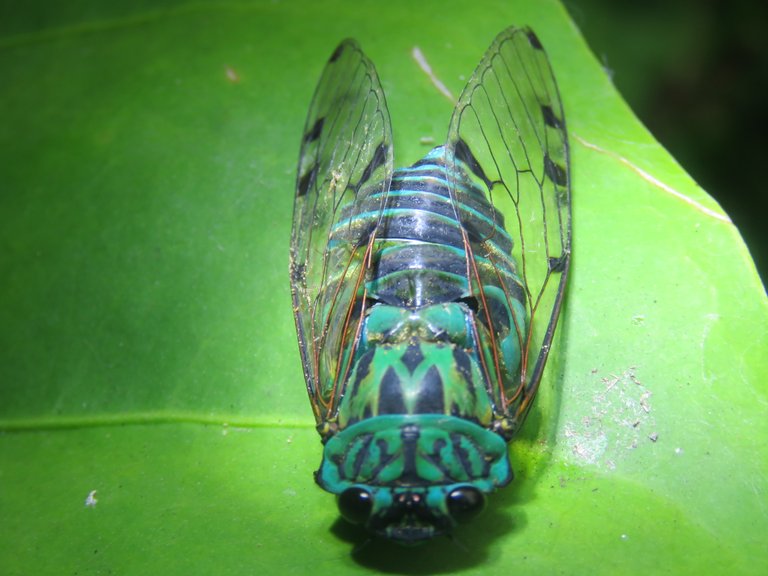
[
  {"x": 355, "y": 505},
  {"x": 465, "y": 503}
]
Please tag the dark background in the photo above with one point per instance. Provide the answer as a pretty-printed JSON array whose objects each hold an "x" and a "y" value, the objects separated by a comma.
[{"x": 696, "y": 72}]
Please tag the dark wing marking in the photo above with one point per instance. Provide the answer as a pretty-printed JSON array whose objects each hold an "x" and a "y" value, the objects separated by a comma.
[
  {"x": 345, "y": 158},
  {"x": 508, "y": 133}
]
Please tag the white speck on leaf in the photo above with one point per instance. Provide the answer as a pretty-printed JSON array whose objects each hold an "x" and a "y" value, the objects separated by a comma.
[{"x": 90, "y": 500}]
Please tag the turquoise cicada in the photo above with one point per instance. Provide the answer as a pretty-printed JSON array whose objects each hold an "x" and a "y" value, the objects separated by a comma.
[{"x": 426, "y": 297}]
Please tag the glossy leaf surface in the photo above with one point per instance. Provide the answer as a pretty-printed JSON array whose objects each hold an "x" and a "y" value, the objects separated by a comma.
[{"x": 149, "y": 155}]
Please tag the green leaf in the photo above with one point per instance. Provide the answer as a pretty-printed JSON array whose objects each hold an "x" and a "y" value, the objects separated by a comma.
[{"x": 147, "y": 349}]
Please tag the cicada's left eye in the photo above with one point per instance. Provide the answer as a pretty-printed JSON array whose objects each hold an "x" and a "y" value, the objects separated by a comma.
[
  {"x": 465, "y": 503},
  {"x": 355, "y": 505}
]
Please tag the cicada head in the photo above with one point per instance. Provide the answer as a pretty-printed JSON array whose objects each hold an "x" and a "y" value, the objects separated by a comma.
[{"x": 410, "y": 478}]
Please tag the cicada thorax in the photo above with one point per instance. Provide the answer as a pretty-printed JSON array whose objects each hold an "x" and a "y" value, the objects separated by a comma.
[{"x": 429, "y": 346}]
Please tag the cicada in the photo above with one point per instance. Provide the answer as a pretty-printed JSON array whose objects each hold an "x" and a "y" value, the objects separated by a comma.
[{"x": 426, "y": 297}]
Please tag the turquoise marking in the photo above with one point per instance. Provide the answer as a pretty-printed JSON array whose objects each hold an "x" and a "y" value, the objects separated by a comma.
[
  {"x": 382, "y": 382},
  {"x": 481, "y": 261},
  {"x": 376, "y": 284},
  {"x": 387, "y": 324},
  {"x": 438, "y": 197},
  {"x": 449, "y": 451},
  {"x": 510, "y": 346}
]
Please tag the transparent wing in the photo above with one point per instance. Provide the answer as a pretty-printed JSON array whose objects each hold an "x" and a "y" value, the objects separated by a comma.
[
  {"x": 508, "y": 134},
  {"x": 345, "y": 166}
]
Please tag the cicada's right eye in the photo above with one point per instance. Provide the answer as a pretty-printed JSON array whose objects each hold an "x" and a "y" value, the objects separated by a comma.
[{"x": 355, "y": 505}]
